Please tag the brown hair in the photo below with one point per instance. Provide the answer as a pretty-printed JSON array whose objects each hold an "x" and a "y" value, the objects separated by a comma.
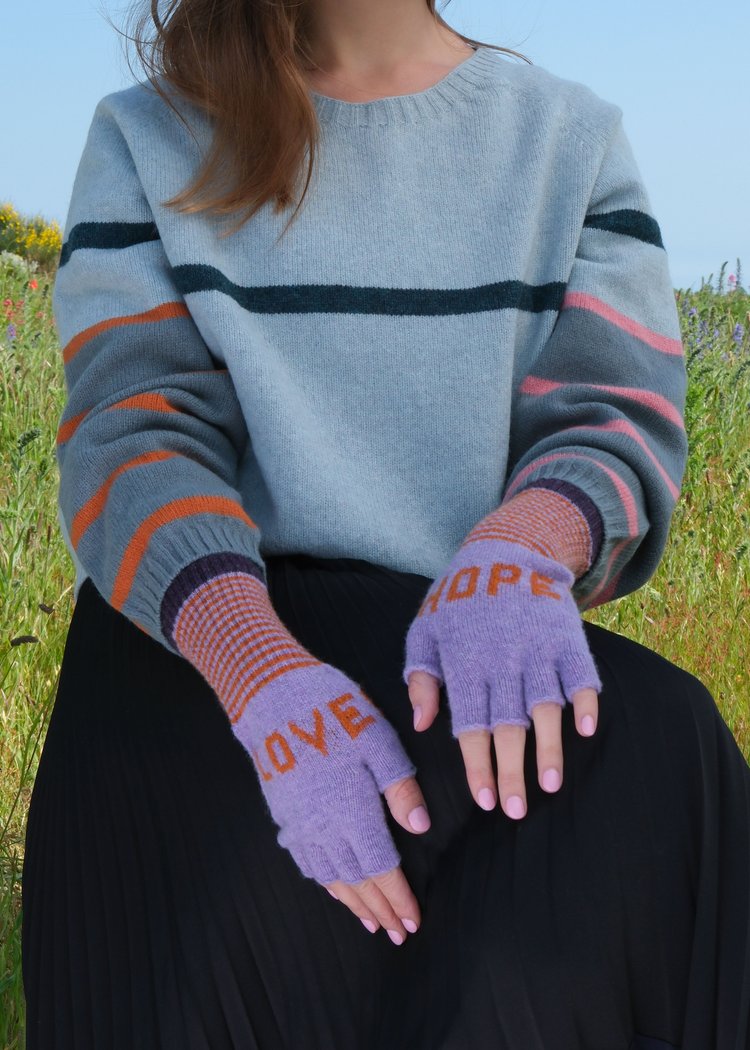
[{"x": 241, "y": 62}]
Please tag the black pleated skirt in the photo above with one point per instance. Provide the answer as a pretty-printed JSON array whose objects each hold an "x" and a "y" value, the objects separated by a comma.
[{"x": 160, "y": 913}]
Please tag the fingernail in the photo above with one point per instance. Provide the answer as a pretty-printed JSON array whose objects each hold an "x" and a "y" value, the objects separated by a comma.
[
  {"x": 514, "y": 807},
  {"x": 486, "y": 798},
  {"x": 417, "y": 716},
  {"x": 587, "y": 725},
  {"x": 332, "y": 894},
  {"x": 395, "y": 937},
  {"x": 369, "y": 924},
  {"x": 419, "y": 819},
  {"x": 551, "y": 780},
  {"x": 410, "y": 924}
]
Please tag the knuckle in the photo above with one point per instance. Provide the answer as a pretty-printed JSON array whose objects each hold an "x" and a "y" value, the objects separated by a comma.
[{"x": 511, "y": 783}]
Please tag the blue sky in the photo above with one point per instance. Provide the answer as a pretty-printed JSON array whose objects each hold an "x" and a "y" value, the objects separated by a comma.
[{"x": 675, "y": 69}]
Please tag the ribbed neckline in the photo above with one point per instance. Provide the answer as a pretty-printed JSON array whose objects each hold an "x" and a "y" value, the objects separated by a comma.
[{"x": 414, "y": 108}]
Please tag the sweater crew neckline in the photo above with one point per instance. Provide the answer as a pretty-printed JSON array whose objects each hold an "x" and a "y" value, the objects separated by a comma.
[{"x": 415, "y": 107}]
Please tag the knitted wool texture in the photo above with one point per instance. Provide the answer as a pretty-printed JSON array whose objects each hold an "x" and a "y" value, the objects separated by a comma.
[
  {"x": 501, "y": 629},
  {"x": 389, "y": 372},
  {"x": 322, "y": 749}
]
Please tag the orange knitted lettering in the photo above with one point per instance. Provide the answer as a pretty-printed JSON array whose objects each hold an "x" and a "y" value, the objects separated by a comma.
[
  {"x": 496, "y": 576},
  {"x": 539, "y": 585},
  {"x": 290, "y": 759},
  {"x": 263, "y": 772},
  {"x": 318, "y": 740},
  {"x": 348, "y": 714},
  {"x": 472, "y": 572}
]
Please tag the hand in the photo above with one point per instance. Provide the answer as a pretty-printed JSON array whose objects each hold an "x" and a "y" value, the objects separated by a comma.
[
  {"x": 322, "y": 774},
  {"x": 323, "y": 751},
  {"x": 388, "y": 900},
  {"x": 497, "y": 629}
]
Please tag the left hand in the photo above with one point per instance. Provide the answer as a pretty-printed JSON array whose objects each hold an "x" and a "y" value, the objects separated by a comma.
[{"x": 497, "y": 628}]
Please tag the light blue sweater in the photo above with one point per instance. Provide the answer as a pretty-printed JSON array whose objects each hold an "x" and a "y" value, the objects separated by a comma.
[{"x": 475, "y": 298}]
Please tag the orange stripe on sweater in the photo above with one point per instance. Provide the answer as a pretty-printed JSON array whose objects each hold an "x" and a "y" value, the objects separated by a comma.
[
  {"x": 67, "y": 429},
  {"x": 163, "y": 312},
  {"x": 93, "y": 507},
  {"x": 152, "y": 401},
  {"x": 184, "y": 507}
]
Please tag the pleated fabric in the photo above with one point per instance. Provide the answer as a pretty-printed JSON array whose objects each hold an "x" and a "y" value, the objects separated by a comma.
[{"x": 160, "y": 913}]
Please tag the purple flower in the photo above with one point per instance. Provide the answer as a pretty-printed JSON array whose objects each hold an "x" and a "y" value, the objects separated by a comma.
[
  {"x": 738, "y": 333},
  {"x": 11, "y": 331},
  {"x": 693, "y": 312}
]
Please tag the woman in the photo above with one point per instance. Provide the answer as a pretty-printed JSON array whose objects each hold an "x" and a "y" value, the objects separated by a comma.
[{"x": 367, "y": 464}]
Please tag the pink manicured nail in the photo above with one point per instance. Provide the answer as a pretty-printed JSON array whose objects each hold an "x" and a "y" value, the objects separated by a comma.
[
  {"x": 514, "y": 807},
  {"x": 369, "y": 924},
  {"x": 587, "y": 725},
  {"x": 417, "y": 716},
  {"x": 397, "y": 938},
  {"x": 486, "y": 799},
  {"x": 551, "y": 780},
  {"x": 410, "y": 924},
  {"x": 419, "y": 819},
  {"x": 332, "y": 894}
]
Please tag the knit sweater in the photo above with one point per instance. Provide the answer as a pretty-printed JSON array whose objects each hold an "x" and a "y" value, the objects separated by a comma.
[{"x": 474, "y": 301}]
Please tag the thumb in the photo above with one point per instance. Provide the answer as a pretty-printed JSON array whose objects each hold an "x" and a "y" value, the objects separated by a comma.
[
  {"x": 407, "y": 805},
  {"x": 424, "y": 694}
]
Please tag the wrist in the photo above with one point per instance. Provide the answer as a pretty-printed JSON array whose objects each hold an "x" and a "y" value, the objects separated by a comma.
[
  {"x": 545, "y": 521},
  {"x": 229, "y": 631}
]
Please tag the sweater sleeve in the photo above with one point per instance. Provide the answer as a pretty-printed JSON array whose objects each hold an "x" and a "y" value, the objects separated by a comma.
[
  {"x": 151, "y": 434},
  {"x": 598, "y": 415}
]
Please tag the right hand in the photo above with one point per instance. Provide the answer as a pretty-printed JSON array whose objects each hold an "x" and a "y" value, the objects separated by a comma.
[
  {"x": 324, "y": 754},
  {"x": 323, "y": 751},
  {"x": 386, "y": 900}
]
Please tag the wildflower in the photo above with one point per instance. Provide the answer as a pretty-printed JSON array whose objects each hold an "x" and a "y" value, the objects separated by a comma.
[
  {"x": 11, "y": 331},
  {"x": 732, "y": 279},
  {"x": 738, "y": 333},
  {"x": 693, "y": 312},
  {"x": 34, "y": 284}
]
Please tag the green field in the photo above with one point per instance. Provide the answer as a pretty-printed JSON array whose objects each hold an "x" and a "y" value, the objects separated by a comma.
[{"x": 694, "y": 610}]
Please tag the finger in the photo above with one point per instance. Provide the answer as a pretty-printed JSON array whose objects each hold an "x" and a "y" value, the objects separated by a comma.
[
  {"x": 547, "y": 719},
  {"x": 578, "y": 674},
  {"x": 349, "y": 896},
  {"x": 391, "y": 901},
  {"x": 586, "y": 705},
  {"x": 424, "y": 693},
  {"x": 407, "y": 805},
  {"x": 475, "y": 748},
  {"x": 510, "y": 743}
]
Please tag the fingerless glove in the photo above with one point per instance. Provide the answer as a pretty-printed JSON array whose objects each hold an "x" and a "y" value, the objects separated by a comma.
[
  {"x": 501, "y": 630},
  {"x": 322, "y": 749}
]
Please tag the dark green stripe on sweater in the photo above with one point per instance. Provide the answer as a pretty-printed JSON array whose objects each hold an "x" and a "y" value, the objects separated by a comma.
[
  {"x": 628, "y": 221},
  {"x": 350, "y": 299},
  {"x": 107, "y": 235}
]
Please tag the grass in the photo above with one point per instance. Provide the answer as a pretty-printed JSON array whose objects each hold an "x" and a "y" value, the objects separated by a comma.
[{"x": 694, "y": 610}]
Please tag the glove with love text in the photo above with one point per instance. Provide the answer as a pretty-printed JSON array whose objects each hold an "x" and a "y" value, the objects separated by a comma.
[
  {"x": 323, "y": 751},
  {"x": 501, "y": 630}
]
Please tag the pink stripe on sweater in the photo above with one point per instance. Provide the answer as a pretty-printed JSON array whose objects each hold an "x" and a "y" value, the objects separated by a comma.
[
  {"x": 584, "y": 301},
  {"x": 623, "y": 490},
  {"x": 538, "y": 386},
  {"x": 605, "y": 589},
  {"x": 623, "y": 427}
]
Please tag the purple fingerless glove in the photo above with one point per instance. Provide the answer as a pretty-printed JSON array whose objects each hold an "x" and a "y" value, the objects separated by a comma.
[
  {"x": 323, "y": 751},
  {"x": 501, "y": 629}
]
